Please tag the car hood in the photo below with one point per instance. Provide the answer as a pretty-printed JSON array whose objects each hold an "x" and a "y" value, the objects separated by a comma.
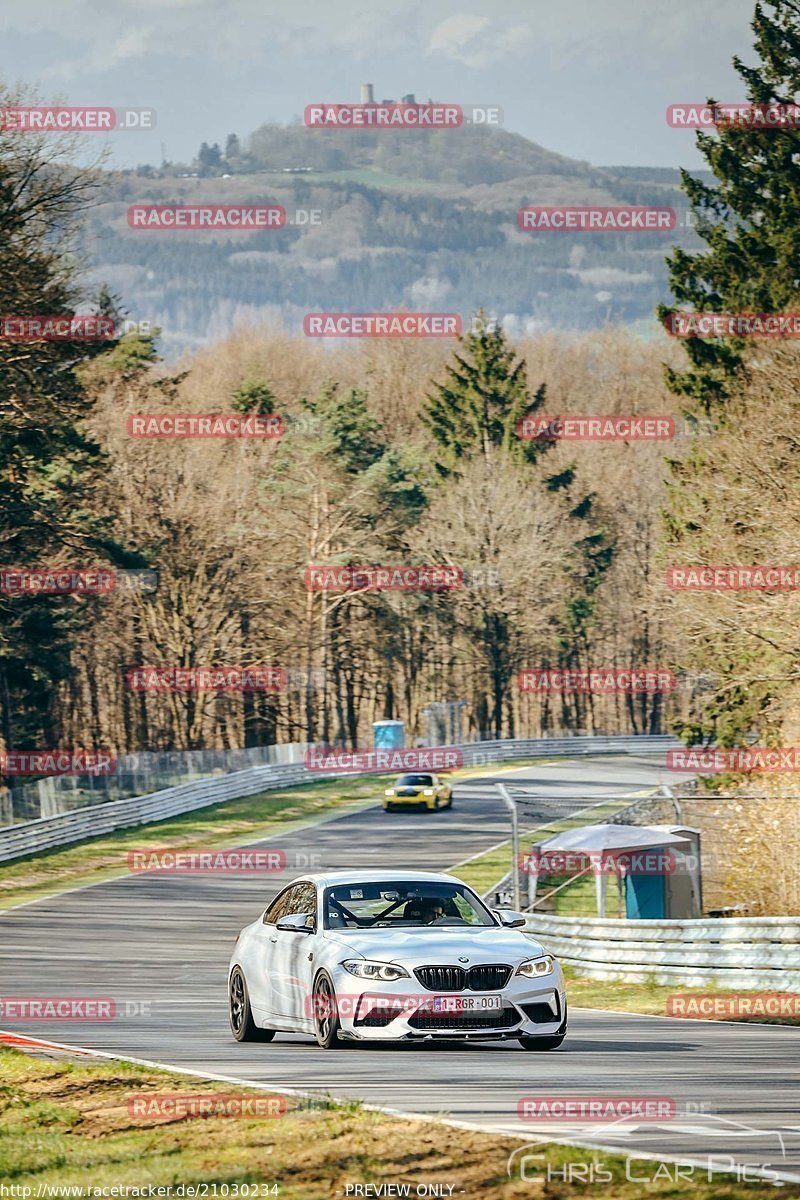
[{"x": 440, "y": 945}]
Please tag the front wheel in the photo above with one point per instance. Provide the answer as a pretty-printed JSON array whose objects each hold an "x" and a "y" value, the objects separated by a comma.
[
  {"x": 243, "y": 1027},
  {"x": 326, "y": 1017}
]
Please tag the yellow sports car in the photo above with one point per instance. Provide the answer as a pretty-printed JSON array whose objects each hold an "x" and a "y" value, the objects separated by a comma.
[{"x": 411, "y": 791}]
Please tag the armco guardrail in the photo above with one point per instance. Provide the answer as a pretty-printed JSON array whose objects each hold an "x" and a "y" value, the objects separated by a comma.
[
  {"x": 33, "y": 837},
  {"x": 136, "y": 774},
  {"x": 477, "y": 753},
  {"x": 743, "y": 952}
]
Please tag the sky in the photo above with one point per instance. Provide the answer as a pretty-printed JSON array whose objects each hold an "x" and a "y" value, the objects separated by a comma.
[{"x": 590, "y": 79}]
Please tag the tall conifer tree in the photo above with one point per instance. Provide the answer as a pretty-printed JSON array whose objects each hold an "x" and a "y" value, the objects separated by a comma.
[{"x": 749, "y": 217}]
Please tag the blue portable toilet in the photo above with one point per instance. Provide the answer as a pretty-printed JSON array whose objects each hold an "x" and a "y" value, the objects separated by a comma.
[
  {"x": 675, "y": 895},
  {"x": 645, "y": 896},
  {"x": 389, "y": 735}
]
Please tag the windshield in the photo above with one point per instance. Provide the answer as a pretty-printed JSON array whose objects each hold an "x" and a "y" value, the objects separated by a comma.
[
  {"x": 415, "y": 781},
  {"x": 410, "y": 903}
]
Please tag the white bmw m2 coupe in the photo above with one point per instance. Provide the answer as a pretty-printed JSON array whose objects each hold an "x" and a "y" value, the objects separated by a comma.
[{"x": 356, "y": 956}]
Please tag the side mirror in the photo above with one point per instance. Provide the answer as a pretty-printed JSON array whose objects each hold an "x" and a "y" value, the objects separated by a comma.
[
  {"x": 508, "y": 918},
  {"x": 297, "y": 923}
]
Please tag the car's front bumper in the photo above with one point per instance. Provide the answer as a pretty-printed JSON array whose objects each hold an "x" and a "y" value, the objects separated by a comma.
[
  {"x": 402, "y": 1010},
  {"x": 409, "y": 802}
]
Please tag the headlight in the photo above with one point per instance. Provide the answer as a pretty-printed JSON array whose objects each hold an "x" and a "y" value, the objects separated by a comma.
[
  {"x": 365, "y": 968},
  {"x": 389, "y": 792},
  {"x": 536, "y": 966},
  {"x": 428, "y": 792}
]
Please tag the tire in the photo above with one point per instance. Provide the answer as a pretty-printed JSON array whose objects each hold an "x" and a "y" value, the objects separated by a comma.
[
  {"x": 528, "y": 1042},
  {"x": 326, "y": 1024},
  {"x": 450, "y": 802},
  {"x": 387, "y": 808},
  {"x": 435, "y": 805},
  {"x": 243, "y": 1027}
]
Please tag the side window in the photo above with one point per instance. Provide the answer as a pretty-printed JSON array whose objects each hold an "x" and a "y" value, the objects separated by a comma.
[
  {"x": 280, "y": 906},
  {"x": 465, "y": 910},
  {"x": 297, "y": 899},
  {"x": 303, "y": 900}
]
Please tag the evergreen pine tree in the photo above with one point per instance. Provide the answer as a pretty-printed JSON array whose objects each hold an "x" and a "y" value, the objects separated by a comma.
[
  {"x": 749, "y": 218},
  {"x": 49, "y": 467},
  {"x": 254, "y": 396},
  {"x": 483, "y": 397},
  {"x": 750, "y": 221},
  {"x": 476, "y": 411}
]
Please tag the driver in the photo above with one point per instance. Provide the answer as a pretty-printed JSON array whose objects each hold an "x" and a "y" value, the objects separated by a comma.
[{"x": 430, "y": 909}]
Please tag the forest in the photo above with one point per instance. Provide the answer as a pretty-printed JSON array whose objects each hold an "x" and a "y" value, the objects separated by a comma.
[{"x": 404, "y": 453}]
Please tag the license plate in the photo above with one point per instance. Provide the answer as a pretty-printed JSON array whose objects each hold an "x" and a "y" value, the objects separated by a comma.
[{"x": 459, "y": 1004}]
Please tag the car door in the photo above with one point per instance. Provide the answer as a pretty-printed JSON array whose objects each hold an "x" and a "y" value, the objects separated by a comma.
[
  {"x": 260, "y": 978},
  {"x": 292, "y": 958}
]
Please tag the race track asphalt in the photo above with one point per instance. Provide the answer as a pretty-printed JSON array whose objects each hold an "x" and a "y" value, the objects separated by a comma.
[{"x": 159, "y": 944}]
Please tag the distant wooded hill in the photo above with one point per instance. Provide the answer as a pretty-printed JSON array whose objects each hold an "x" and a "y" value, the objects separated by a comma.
[{"x": 420, "y": 220}]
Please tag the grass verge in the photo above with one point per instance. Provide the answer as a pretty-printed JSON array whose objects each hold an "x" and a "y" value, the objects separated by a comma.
[
  {"x": 650, "y": 999},
  {"x": 230, "y": 823},
  {"x": 66, "y": 1124},
  {"x": 233, "y": 822},
  {"x": 485, "y": 870}
]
